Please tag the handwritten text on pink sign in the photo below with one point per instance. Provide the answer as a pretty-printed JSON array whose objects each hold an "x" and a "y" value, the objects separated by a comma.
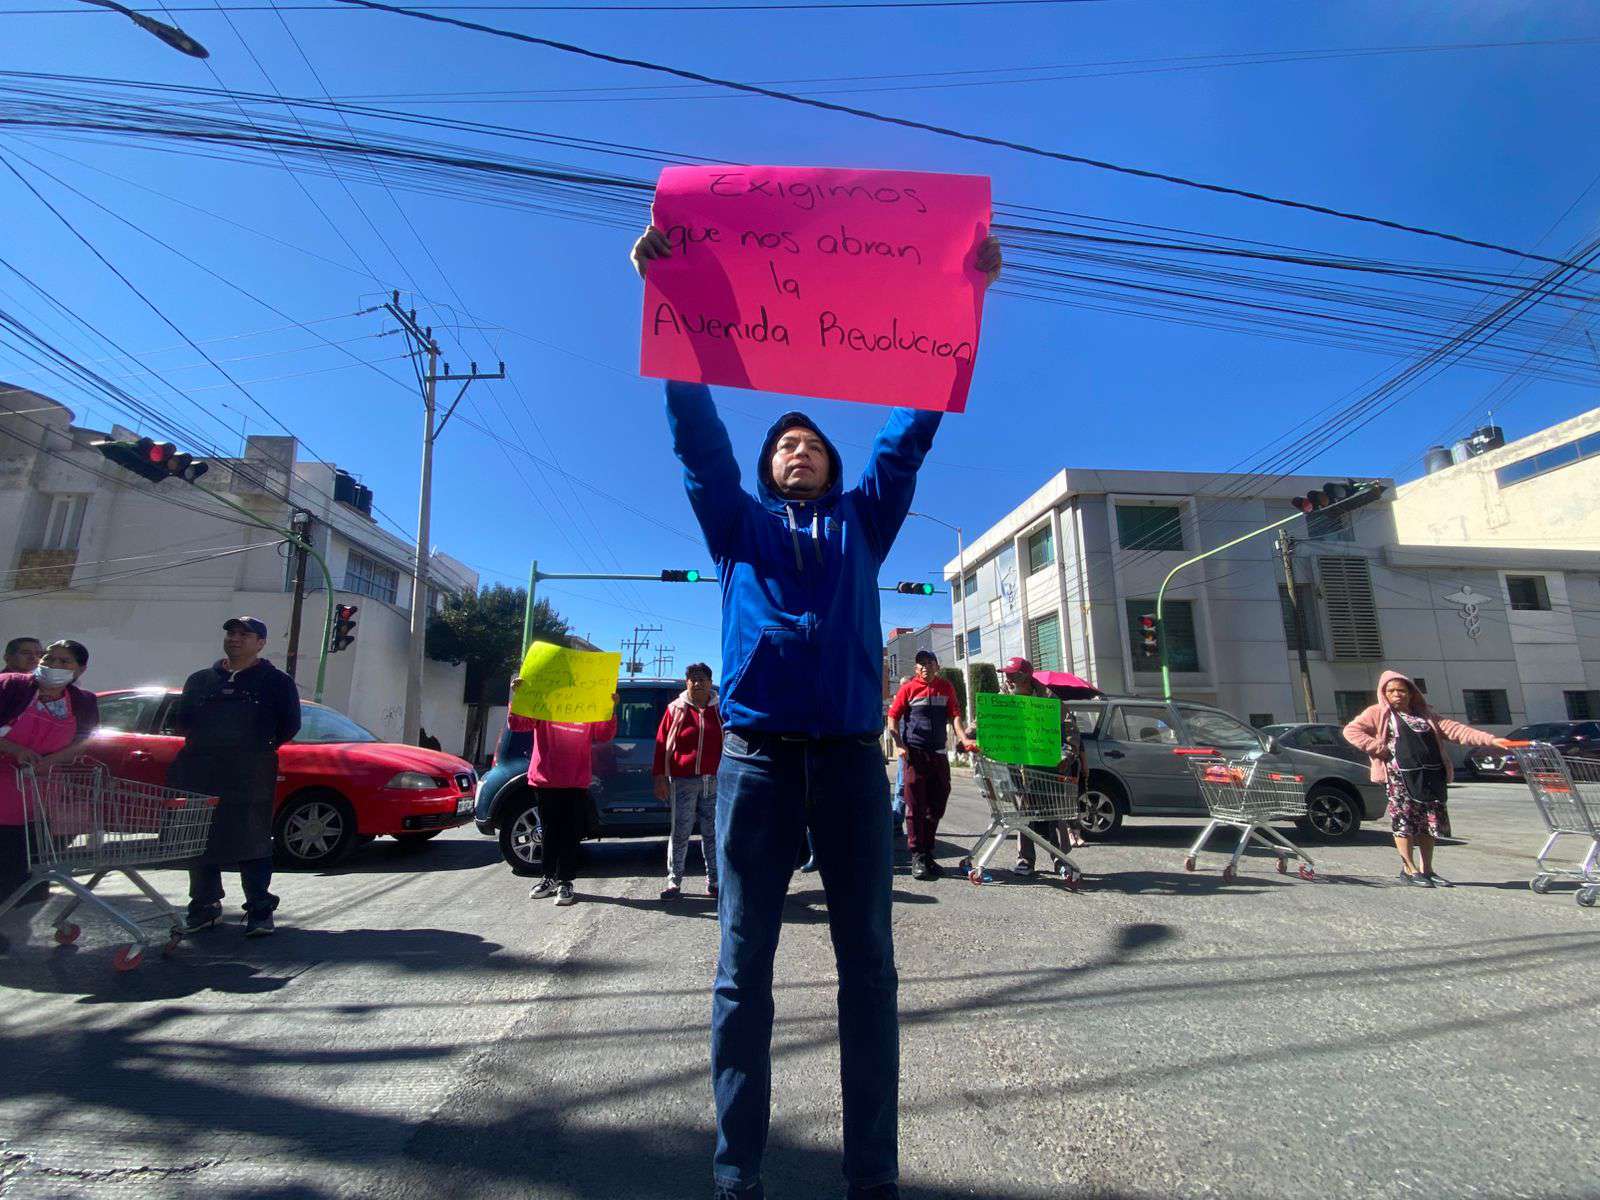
[{"x": 854, "y": 285}]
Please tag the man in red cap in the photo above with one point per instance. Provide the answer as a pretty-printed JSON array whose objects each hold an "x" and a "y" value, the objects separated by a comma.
[{"x": 926, "y": 704}]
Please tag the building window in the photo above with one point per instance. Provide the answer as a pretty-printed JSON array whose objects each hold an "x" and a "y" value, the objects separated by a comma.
[
  {"x": 1329, "y": 527},
  {"x": 368, "y": 577},
  {"x": 1349, "y": 705},
  {"x": 1183, "y": 649},
  {"x": 1582, "y": 706},
  {"x": 1044, "y": 642},
  {"x": 1422, "y": 684},
  {"x": 1308, "y": 617},
  {"x": 974, "y": 642},
  {"x": 969, "y": 585},
  {"x": 1528, "y": 593},
  {"x": 1261, "y": 720},
  {"x": 1550, "y": 460},
  {"x": 1150, "y": 526},
  {"x": 1041, "y": 550},
  {"x": 1486, "y": 706},
  {"x": 63, "y": 523},
  {"x": 1351, "y": 611}
]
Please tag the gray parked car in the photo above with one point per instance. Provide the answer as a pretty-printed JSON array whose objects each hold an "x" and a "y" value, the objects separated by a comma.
[{"x": 1128, "y": 745}]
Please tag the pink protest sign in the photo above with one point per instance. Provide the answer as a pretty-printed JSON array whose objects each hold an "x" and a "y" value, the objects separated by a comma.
[{"x": 853, "y": 285}]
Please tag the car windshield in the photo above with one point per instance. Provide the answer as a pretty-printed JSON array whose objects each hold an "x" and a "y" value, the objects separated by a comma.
[
  {"x": 1542, "y": 732},
  {"x": 321, "y": 726}
]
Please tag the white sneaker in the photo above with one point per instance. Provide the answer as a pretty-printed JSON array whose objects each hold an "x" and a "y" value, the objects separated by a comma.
[
  {"x": 564, "y": 895},
  {"x": 545, "y": 887}
]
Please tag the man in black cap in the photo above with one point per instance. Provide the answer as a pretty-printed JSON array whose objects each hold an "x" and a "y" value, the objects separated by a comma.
[{"x": 233, "y": 717}]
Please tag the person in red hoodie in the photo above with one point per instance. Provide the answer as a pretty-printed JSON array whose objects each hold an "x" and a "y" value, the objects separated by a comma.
[
  {"x": 688, "y": 752},
  {"x": 559, "y": 770}
]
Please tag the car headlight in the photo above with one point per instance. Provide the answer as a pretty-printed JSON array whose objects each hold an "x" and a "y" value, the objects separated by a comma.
[{"x": 415, "y": 781}]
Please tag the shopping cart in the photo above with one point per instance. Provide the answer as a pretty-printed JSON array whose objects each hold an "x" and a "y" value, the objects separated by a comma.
[
  {"x": 1019, "y": 796},
  {"x": 1245, "y": 795},
  {"x": 1567, "y": 791},
  {"x": 82, "y": 820}
]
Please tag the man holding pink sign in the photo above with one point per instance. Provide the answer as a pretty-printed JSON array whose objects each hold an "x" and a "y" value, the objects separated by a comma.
[{"x": 799, "y": 563}]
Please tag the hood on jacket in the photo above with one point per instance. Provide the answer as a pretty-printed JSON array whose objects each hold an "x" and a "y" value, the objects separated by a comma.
[
  {"x": 1418, "y": 706},
  {"x": 708, "y": 706},
  {"x": 770, "y": 496}
]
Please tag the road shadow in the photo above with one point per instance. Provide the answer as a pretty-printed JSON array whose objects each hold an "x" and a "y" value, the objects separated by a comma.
[{"x": 389, "y": 857}]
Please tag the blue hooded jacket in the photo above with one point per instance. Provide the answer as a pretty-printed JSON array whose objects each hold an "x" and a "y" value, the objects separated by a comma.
[{"x": 802, "y": 648}]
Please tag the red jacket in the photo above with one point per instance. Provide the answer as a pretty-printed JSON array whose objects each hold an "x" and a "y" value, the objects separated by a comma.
[{"x": 689, "y": 741}]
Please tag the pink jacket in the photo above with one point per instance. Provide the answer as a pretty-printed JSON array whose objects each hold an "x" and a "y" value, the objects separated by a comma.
[
  {"x": 560, "y": 756},
  {"x": 1373, "y": 733}
]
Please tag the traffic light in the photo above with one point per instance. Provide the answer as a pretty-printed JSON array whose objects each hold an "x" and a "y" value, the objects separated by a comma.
[
  {"x": 680, "y": 577},
  {"x": 344, "y": 627},
  {"x": 914, "y": 589},
  {"x": 154, "y": 460},
  {"x": 1148, "y": 638},
  {"x": 1336, "y": 498}
]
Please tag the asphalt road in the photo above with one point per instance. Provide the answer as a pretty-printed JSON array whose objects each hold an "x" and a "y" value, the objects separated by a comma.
[{"x": 418, "y": 1028}]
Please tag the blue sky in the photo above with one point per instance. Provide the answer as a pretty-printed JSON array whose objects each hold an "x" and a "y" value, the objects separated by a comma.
[{"x": 1491, "y": 143}]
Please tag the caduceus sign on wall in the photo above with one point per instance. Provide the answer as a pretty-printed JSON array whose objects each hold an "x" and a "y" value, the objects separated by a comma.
[{"x": 1469, "y": 601}]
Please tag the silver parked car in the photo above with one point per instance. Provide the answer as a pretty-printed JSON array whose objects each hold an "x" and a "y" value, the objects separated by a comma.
[{"x": 1128, "y": 745}]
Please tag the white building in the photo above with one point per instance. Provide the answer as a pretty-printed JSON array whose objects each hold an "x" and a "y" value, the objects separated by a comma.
[
  {"x": 1496, "y": 635},
  {"x": 901, "y": 646},
  {"x": 145, "y": 573}
]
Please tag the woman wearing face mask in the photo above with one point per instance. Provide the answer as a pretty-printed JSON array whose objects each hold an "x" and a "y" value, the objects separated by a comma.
[{"x": 44, "y": 720}]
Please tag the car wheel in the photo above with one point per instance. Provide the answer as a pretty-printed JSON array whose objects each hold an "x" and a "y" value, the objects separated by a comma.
[
  {"x": 415, "y": 841},
  {"x": 521, "y": 841},
  {"x": 314, "y": 829},
  {"x": 1331, "y": 814},
  {"x": 1102, "y": 813}
]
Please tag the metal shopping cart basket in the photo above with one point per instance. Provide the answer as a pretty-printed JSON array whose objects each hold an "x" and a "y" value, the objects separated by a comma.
[
  {"x": 82, "y": 820},
  {"x": 1245, "y": 795},
  {"x": 1567, "y": 791},
  {"x": 1019, "y": 796}
]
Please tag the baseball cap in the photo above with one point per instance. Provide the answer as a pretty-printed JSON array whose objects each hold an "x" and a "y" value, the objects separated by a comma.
[
  {"x": 927, "y": 656},
  {"x": 249, "y": 624},
  {"x": 1017, "y": 666}
]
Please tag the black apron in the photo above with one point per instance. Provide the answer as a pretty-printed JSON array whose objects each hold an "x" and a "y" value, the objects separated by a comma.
[
  {"x": 1418, "y": 759},
  {"x": 223, "y": 757}
]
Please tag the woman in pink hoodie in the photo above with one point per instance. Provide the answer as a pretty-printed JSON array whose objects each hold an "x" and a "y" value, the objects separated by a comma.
[
  {"x": 1405, "y": 739},
  {"x": 559, "y": 770}
]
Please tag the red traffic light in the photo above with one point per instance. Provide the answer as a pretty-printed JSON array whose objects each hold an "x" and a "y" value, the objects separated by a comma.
[
  {"x": 160, "y": 452},
  {"x": 1149, "y": 639},
  {"x": 1337, "y": 498}
]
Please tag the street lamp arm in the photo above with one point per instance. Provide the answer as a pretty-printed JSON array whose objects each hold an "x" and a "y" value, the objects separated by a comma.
[{"x": 1161, "y": 594}]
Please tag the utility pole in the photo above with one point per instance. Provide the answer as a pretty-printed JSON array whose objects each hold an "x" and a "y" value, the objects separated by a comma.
[
  {"x": 300, "y": 522},
  {"x": 641, "y": 639},
  {"x": 1286, "y": 553},
  {"x": 421, "y": 343},
  {"x": 664, "y": 660}
]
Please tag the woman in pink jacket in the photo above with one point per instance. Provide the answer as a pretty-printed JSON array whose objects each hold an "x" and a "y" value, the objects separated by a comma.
[
  {"x": 559, "y": 770},
  {"x": 1405, "y": 739}
]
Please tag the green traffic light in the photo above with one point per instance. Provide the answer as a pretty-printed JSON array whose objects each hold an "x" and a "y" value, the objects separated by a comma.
[
  {"x": 692, "y": 576},
  {"x": 927, "y": 589}
]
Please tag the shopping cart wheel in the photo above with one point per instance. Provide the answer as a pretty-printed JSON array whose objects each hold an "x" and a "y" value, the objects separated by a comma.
[
  {"x": 1188, "y": 863},
  {"x": 1307, "y": 871},
  {"x": 1229, "y": 874},
  {"x": 975, "y": 877},
  {"x": 1283, "y": 865},
  {"x": 965, "y": 864},
  {"x": 1587, "y": 896},
  {"x": 128, "y": 958},
  {"x": 1540, "y": 884},
  {"x": 68, "y": 933}
]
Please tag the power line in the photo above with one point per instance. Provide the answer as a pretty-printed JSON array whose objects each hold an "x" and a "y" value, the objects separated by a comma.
[{"x": 945, "y": 131}]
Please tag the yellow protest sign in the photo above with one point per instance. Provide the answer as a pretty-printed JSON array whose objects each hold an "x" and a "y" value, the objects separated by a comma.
[{"x": 558, "y": 684}]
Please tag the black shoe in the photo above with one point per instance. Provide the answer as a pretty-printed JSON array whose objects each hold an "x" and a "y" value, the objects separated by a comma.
[
  {"x": 713, "y": 890},
  {"x": 671, "y": 892},
  {"x": 545, "y": 887},
  {"x": 1438, "y": 880},
  {"x": 921, "y": 866},
  {"x": 1414, "y": 880},
  {"x": 1023, "y": 869},
  {"x": 203, "y": 917},
  {"x": 933, "y": 869},
  {"x": 259, "y": 925},
  {"x": 882, "y": 1191}
]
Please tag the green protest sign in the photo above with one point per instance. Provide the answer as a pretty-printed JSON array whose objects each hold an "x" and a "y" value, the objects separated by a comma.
[{"x": 1020, "y": 729}]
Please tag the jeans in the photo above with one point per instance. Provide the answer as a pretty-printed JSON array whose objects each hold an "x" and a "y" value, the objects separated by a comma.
[
  {"x": 562, "y": 816},
  {"x": 255, "y": 877},
  {"x": 694, "y": 804},
  {"x": 897, "y": 802},
  {"x": 770, "y": 791}
]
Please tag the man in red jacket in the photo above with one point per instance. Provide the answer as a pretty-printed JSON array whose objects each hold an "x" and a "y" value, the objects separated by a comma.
[
  {"x": 688, "y": 752},
  {"x": 926, "y": 705}
]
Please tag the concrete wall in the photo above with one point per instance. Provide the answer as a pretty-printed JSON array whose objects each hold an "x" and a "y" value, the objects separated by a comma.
[{"x": 1465, "y": 505}]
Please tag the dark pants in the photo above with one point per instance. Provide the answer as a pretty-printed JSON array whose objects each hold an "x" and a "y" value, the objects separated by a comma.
[
  {"x": 770, "y": 791},
  {"x": 255, "y": 877},
  {"x": 1053, "y": 832},
  {"x": 927, "y": 793},
  {"x": 562, "y": 813}
]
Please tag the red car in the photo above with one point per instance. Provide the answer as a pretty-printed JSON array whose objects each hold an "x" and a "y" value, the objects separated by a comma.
[{"x": 338, "y": 785}]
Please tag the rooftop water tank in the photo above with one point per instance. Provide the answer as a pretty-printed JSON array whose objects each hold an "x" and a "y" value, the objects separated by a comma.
[{"x": 1437, "y": 458}]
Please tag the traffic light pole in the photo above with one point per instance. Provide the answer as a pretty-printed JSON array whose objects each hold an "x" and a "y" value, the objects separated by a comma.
[
  {"x": 1286, "y": 552},
  {"x": 301, "y": 523},
  {"x": 304, "y": 545},
  {"x": 1161, "y": 594},
  {"x": 961, "y": 588}
]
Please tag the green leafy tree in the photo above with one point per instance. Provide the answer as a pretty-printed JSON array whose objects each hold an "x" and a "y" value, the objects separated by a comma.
[
  {"x": 984, "y": 678},
  {"x": 953, "y": 676},
  {"x": 483, "y": 629}
]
